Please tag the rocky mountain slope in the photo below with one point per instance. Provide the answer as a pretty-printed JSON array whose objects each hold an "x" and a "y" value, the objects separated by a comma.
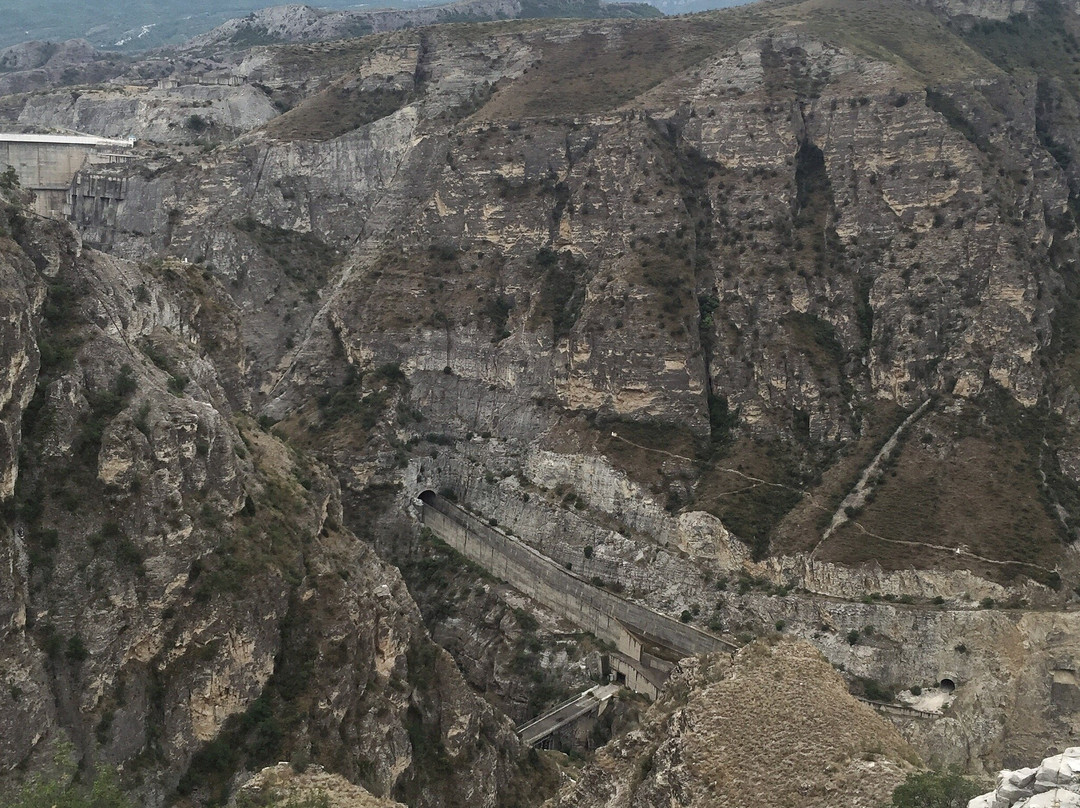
[
  {"x": 39, "y": 65},
  {"x": 776, "y": 721},
  {"x": 765, "y": 318},
  {"x": 298, "y": 23},
  {"x": 128, "y": 24},
  {"x": 182, "y": 598},
  {"x": 873, "y": 278}
]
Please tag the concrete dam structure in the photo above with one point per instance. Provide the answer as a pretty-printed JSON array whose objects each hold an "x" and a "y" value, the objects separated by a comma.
[
  {"x": 47, "y": 164},
  {"x": 647, "y": 642}
]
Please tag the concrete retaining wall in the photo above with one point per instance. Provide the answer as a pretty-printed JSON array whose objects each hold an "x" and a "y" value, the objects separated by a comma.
[
  {"x": 95, "y": 203},
  {"x": 634, "y": 676},
  {"x": 605, "y": 614}
]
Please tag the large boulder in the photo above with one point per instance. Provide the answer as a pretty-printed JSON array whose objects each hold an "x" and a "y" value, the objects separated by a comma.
[
  {"x": 1013, "y": 786},
  {"x": 1055, "y": 784},
  {"x": 1060, "y": 771}
]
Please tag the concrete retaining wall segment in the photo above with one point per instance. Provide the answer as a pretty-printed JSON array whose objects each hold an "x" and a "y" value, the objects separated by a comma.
[{"x": 601, "y": 612}]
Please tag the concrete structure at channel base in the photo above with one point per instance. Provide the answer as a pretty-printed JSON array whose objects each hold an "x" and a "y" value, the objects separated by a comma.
[
  {"x": 47, "y": 164},
  {"x": 646, "y": 642}
]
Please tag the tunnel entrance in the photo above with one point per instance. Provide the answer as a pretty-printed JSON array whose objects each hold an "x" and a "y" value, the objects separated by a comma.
[
  {"x": 947, "y": 685},
  {"x": 427, "y": 497}
]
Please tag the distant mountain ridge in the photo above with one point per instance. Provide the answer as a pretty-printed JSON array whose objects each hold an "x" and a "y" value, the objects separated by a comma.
[
  {"x": 130, "y": 25},
  {"x": 300, "y": 23},
  {"x": 135, "y": 25}
]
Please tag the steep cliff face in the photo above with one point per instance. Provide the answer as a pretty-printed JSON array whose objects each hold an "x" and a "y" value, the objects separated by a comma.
[
  {"x": 306, "y": 24},
  {"x": 182, "y": 599}
]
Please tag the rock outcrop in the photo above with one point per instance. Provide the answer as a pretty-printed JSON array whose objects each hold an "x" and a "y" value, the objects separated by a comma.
[
  {"x": 181, "y": 598},
  {"x": 284, "y": 785},
  {"x": 775, "y": 722},
  {"x": 1055, "y": 782}
]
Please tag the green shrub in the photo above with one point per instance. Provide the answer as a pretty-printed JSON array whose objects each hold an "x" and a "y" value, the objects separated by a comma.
[
  {"x": 129, "y": 552},
  {"x": 60, "y": 790},
  {"x": 934, "y": 790},
  {"x": 525, "y": 620},
  {"x": 142, "y": 418},
  {"x": 876, "y": 691},
  {"x": 76, "y": 651},
  {"x": 124, "y": 384},
  {"x": 178, "y": 383},
  {"x": 9, "y": 180}
]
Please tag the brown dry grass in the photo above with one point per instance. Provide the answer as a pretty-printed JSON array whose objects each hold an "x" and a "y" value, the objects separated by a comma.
[
  {"x": 775, "y": 728},
  {"x": 893, "y": 31},
  {"x": 751, "y": 510},
  {"x": 608, "y": 65},
  {"x": 782, "y": 730},
  {"x": 803, "y": 526},
  {"x": 334, "y": 111},
  {"x": 639, "y": 451},
  {"x": 979, "y": 491}
]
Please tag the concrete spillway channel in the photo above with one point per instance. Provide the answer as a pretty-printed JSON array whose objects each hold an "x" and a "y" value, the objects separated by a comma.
[
  {"x": 901, "y": 710},
  {"x": 645, "y": 639},
  {"x": 595, "y": 699}
]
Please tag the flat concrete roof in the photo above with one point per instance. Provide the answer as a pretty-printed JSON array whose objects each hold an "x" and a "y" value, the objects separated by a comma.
[{"x": 67, "y": 140}]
